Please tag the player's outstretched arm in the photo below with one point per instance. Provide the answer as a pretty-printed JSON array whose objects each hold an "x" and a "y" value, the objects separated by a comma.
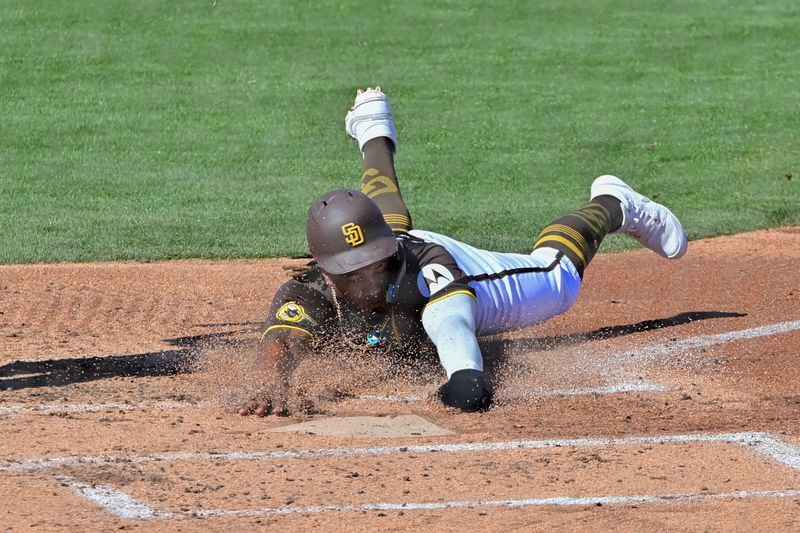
[
  {"x": 450, "y": 323},
  {"x": 279, "y": 355}
]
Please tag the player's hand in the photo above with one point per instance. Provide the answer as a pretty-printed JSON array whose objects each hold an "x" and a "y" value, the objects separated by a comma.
[
  {"x": 467, "y": 390},
  {"x": 263, "y": 407}
]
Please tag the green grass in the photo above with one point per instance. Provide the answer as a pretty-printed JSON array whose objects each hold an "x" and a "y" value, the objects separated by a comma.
[{"x": 165, "y": 129}]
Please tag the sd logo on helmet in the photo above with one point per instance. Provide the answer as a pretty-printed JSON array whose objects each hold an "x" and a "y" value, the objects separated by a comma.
[{"x": 346, "y": 231}]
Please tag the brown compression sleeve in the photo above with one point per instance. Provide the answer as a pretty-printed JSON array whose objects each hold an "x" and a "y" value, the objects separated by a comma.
[{"x": 379, "y": 182}]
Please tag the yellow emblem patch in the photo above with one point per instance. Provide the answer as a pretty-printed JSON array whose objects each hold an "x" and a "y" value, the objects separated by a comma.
[
  {"x": 353, "y": 234},
  {"x": 291, "y": 312}
]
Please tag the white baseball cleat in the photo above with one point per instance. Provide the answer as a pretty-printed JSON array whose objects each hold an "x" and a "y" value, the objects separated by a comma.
[
  {"x": 370, "y": 117},
  {"x": 647, "y": 221}
]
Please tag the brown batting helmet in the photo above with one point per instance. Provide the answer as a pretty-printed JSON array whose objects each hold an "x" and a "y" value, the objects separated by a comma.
[{"x": 346, "y": 231}]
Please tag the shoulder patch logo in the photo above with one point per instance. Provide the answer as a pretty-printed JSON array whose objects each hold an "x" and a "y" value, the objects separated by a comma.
[
  {"x": 353, "y": 235},
  {"x": 292, "y": 312},
  {"x": 433, "y": 278}
]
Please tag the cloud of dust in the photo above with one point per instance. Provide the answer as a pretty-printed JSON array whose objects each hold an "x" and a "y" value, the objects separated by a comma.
[
  {"x": 227, "y": 375},
  {"x": 519, "y": 369}
]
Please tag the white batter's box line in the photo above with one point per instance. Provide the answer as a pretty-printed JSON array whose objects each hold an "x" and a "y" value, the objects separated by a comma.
[
  {"x": 566, "y": 501},
  {"x": 123, "y": 505},
  {"x": 763, "y": 443},
  {"x": 55, "y": 408},
  {"x": 116, "y": 501},
  {"x": 619, "y": 388},
  {"x": 703, "y": 341},
  {"x": 520, "y": 394},
  {"x": 526, "y": 393},
  {"x": 513, "y": 394}
]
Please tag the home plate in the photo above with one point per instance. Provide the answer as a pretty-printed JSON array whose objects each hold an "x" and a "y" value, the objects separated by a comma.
[{"x": 369, "y": 426}]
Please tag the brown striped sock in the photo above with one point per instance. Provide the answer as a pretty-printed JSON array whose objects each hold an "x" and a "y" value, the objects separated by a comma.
[
  {"x": 579, "y": 234},
  {"x": 379, "y": 183}
]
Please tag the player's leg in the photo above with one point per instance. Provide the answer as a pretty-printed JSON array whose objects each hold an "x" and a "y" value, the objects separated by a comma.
[
  {"x": 614, "y": 207},
  {"x": 371, "y": 123},
  {"x": 542, "y": 285},
  {"x": 578, "y": 234},
  {"x": 379, "y": 182}
]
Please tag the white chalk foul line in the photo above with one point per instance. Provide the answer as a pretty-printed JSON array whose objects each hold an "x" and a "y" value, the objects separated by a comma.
[{"x": 763, "y": 443}]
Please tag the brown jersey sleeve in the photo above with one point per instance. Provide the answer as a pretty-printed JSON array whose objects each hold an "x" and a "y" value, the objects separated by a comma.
[{"x": 301, "y": 307}]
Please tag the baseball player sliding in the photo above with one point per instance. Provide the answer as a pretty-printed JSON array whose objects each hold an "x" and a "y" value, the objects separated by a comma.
[{"x": 377, "y": 282}]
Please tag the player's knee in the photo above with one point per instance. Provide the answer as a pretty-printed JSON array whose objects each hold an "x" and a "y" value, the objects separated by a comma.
[{"x": 467, "y": 390}]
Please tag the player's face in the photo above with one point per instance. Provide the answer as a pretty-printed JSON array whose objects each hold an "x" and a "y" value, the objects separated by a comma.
[{"x": 366, "y": 287}]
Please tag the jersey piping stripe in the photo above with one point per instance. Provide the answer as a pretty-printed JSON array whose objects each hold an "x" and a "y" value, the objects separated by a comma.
[
  {"x": 285, "y": 326},
  {"x": 448, "y": 295},
  {"x": 511, "y": 272}
]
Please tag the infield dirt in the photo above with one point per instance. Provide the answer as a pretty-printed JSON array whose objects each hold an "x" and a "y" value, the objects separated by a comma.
[{"x": 143, "y": 359}]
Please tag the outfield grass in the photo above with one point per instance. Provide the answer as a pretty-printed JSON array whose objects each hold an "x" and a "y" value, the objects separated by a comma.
[{"x": 164, "y": 129}]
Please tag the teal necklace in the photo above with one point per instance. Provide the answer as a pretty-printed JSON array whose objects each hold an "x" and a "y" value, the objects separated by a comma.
[{"x": 374, "y": 335}]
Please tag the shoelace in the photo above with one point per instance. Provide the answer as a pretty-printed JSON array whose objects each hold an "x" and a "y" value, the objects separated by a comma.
[{"x": 643, "y": 221}]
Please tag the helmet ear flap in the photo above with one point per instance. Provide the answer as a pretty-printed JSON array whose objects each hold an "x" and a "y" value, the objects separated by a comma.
[{"x": 346, "y": 231}]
